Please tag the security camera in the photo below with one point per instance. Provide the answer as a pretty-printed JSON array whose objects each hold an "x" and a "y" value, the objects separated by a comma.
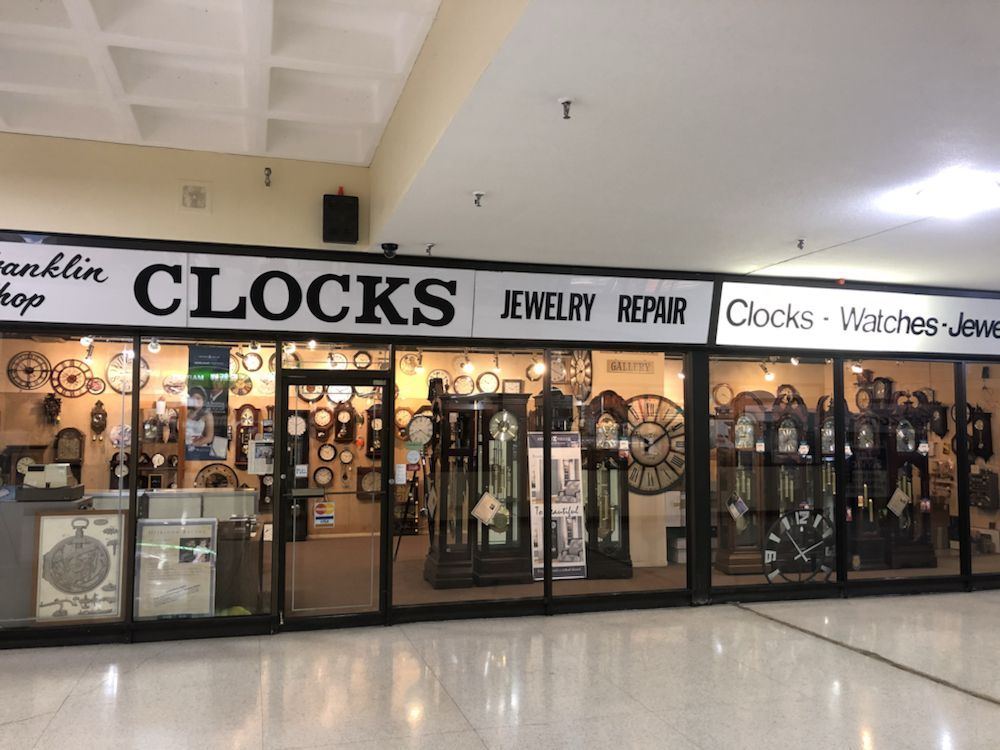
[{"x": 389, "y": 249}]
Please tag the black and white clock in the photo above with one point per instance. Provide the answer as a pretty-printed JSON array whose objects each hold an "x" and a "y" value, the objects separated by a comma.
[{"x": 799, "y": 547}]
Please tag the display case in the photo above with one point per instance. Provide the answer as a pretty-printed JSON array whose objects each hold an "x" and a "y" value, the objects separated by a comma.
[
  {"x": 867, "y": 492},
  {"x": 907, "y": 522}
]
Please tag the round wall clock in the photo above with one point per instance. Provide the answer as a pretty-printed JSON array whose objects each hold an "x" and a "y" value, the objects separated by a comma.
[
  {"x": 362, "y": 360},
  {"x": 581, "y": 373},
  {"x": 408, "y": 364},
  {"x": 175, "y": 384},
  {"x": 322, "y": 419},
  {"x": 534, "y": 374},
  {"x": 420, "y": 429},
  {"x": 443, "y": 375},
  {"x": 252, "y": 361},
  {"x": 488, "y": 382},
  {"x": 339, "y": 394},
  {"x": 346, "y": 457},
  {"x": 289, "y": 360},
  {"x": 265, "y": 385},
  {"x": 216, "y": 475},
  {"x": 323, "y": 477},
  {"x": 241, "y": 385},
  {"x": 96, "y": 386},
  {"x": 297, "y": 425},
  {"x": 402, "y": 419},
  {"x": 28, "y": 370},
  {"x": 863, "y": 399},
  {"x": 799, "y": 547},
  {"x": 465, "y": 385},
  {"x": 327, "y": 452},
  {"x": 310, "y": 393},
  {"x": 722, "y": 395},
  {"x": 656, "y": 444},
  {"x": 119, "y": 373},
  {"x": 337, "y": 361},
  {"x": 71, "y": 378},
  {"x": 234, "y": 364}
]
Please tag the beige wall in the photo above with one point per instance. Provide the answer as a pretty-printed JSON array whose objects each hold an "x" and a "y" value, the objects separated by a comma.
[{"x": 87, "y": 187}]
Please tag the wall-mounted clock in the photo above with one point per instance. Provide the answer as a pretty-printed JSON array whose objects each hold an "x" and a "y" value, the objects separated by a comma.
[
  {"x": 252, "y": 361},
  {"x": 366, "y": 391},
  {"x": 408, "y": 364},
  {"x": 323, "y": 421},
  {"x": 722, "y": 395},
  {"x": 882, "y": 391},
  {"x": 69, "y": 446},
  {"x": 581, "y": 374},
  {"x": 656, "y": 444},
  {"x": 373, "y": 442},
  {"x": 346, "y": 421},
  {"x": 297, "y": 425},
  {"x": 369, "y": 483},
  {"x": 420, "y": 430},
  {"x": 119, "y": 373},
  {"x": 362, "y": 360},
  {"x": 216, "y": 475},
  {"x": 326, "y": 452},
  {"x": 337, "y": 361},
  {"x": 241, "y": 385},
  {"x": 339, "y": 394},
  {"x": 799, "y": 547},
  {"x": 28, "y": 370},
  {"x": 863, "y": 398},
  {"x": 488, "y": 382},
  {"x": 96, "y": 386},
  {"x": 234, "y": 364},
  {"x": 323, "y": 476},
  {"x": 442, "y": 375},
  {"x": 71, "y": 378},
  {"x": 310, "y": 393},
  {"x": 247, "y": 419},
  {"x": 402, "y": 419},
  {"x": 464, "y": 385},
  {"x": 175, "y": 384}
]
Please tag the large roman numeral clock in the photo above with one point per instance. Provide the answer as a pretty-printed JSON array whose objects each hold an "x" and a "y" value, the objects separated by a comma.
[{"x": 656, "y": 444}]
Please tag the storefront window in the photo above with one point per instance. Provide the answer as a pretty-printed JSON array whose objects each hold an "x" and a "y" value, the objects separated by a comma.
[
  {"x": 773, "y": 474},
  {"x": 982, "y": 383},
  {"x": 902, "y": 509},
  {"x": 64, "y": 453},
  {"x": 317, "y": 355},
  {"x": 618, "y": 462},
  {"x": 467, "y": 523},
  {"x": 204, "y": 479}
]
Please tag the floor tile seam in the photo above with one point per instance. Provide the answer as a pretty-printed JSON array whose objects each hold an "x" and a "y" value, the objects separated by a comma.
[
  {"x": 877, "y": 657},
  {"x": 134, "y": 668},
  {"x": 440, "y": 682},
  {"x": 62, "y": 703},
  {"x": 26, "y": 718},
  {"x": 350, "y": 743}
]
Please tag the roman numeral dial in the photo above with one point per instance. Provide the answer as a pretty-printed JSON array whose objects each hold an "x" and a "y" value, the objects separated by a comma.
[{"x": 656, "y": 444}]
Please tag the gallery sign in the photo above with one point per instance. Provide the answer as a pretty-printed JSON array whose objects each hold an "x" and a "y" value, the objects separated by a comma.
[
  {"x": 46, "y": 283},
  {"x": 771, "y": 315}
]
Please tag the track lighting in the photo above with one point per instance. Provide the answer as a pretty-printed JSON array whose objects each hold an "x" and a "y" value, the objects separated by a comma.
[
  {"x": 768, "y": 375},
  {"x": 856, "y": 367},
  {"x": 420, "y": 363},
  {"x": 537, "y": 366},
  {"x": 153, "y": 347},
  {"x": 254, "y": 346},
  {"x": 89, "y": 357},
  {"x": 681, "y": 375},
  {"x": 467, "y": 366},
  {"x": 329, "y": 360},
  {"x": 129, "y": 353},
  {"x": 289, "y": 348},
  {"x": 794, "y": 361},
  {"x": 311, "y": 344},
  {"x": 496, "y": 361},
  {"x": 86, "y": 341}
]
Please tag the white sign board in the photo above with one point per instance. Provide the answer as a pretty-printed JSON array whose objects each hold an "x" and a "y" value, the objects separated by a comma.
[
  {"x": 771, "y": 315},
  {"x": 591, "y": 308}
]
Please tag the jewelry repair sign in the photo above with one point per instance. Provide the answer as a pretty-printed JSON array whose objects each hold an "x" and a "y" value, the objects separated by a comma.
[{"x": 772, "y": 315}]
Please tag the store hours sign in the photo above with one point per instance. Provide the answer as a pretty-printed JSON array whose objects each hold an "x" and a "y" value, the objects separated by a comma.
[{"x": 772, "y": 315}]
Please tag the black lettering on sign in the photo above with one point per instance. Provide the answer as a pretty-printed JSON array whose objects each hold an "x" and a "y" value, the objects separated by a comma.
[
  {"x": 375, "y": 300},
  {"x": 204, "y": 308},
  {"x": 260, "y": 303},
  {"x": 141, "y": 288},
  {"x": 424, "y": 295}
]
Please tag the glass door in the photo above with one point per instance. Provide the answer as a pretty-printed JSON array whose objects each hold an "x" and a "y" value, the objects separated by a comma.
[{"x": 333, "y": 494}]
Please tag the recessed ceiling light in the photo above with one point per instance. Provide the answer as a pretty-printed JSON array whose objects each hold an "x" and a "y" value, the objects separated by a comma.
[{"x": 954, "y": 193}]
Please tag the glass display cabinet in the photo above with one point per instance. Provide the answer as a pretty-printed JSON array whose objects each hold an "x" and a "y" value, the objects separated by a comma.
[
  {"x": 908, "y": 517},
  {"x": 867, "y": 493}
]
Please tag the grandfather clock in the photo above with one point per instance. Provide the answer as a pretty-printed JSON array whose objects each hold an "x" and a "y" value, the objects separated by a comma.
[
  {"x": 867, "y": 492},
  {"x": 742, "y": 458},
  {"x": 604, "y": 425},
  {"x": 908, "y": 517}
]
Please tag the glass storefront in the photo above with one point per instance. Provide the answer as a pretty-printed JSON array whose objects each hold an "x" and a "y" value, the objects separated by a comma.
[{"x": 984, "y": 465}]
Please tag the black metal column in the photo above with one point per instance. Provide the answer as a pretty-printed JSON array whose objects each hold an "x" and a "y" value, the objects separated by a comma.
[
  {"x": 840, "y": 469},
  {"x": 698, "y": 446},
  {"x": 962, "y": 467}
]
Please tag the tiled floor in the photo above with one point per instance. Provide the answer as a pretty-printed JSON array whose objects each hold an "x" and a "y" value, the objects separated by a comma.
[{"x": 709, "y": 677}]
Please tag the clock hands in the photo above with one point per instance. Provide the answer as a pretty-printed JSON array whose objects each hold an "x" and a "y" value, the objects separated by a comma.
[{"x": 802, "y": 553}]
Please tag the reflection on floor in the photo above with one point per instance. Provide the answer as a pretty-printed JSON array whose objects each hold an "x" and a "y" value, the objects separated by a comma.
[{"x": 683, "y": 678}]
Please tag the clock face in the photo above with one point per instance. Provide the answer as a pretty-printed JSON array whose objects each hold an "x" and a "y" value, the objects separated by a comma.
[
  {"x": 344, "y": 416},
  {"x": 28, "y": 370},
  {"x": 241, "y": 385},
  {"x": 377, "y": 424},
  {"x": 488, "y": 382},
  {"x": 420, "y": 429},
  {"x": 503, "y": 426},
  {"x": 96, "y": 386},
  {"x": 656, "y": 444},
  {"x": 296, "y": 425},
  {"x": 346, "y": 457},
  {"x": 606, "y": 431},
  {"x": 863, "y": 399},
  {"x": 267, "y": 479},
  {"x": 906, "y": 437},
  {"x": 827, "y": 440},
  {"x": 443, "y": 374},
  {"x": 337, "y": 361},
  {"x": 119, "y": 374},
  {"x": 322, "y": 417},
  {"x": 864, "y": 438},
  {"x": 248, "y": 416},
  {"x": 327, "y": 452},
  {"x": 559, "y": 374},
  {"x": 157, "y": 460},
  {"x": 216, "y": 475},
  {"x": 252, "y": 362},
  {"x": 799, "y": 547},
  {"x": 338, "y": 394},
  {"x": 464, "y": 385},
  {"x": 408, "y": 364},
  {"x": 746, "y": 430},
  {"x": 581, "y": 371},
  {"x": 323, "y": 476},
  {"x": 71, "y": 378},
  {"x": 310, "y": 393},
  {"x": 370, "y": 481},
  {"x": 174, "y": 384},
  {"x": 362, "y": 360},
  {"x": 788, "y": 436},
  {"x": 23, "y": 463},
  {"x": 880, "y": 389}
]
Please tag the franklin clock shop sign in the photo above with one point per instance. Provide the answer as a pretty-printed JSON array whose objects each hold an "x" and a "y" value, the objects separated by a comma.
[{"x": 92, "y": 285}]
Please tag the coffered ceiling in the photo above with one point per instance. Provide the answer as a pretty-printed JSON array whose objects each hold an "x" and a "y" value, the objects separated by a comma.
[{"x": 305, "y": 79}]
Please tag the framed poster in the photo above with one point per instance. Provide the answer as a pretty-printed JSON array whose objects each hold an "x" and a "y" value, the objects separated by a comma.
[
  {"x": 260, "y": 455},
  {"x": 175, "y": 567},
  {"x": 78, "y": 564}
]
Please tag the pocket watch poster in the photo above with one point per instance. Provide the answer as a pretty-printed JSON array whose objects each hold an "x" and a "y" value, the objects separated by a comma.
[
  {"x": 205, "y": 432},
  {"x": 79, "y": 566},
  {"x": 569, "y": 553},
  {"x": 175, "y": 568}
]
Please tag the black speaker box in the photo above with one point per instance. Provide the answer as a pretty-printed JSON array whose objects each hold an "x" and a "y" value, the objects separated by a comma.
[{"x": 340, "y": 219}]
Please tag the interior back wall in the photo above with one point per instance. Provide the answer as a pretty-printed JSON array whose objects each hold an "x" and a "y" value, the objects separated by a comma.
[{"x": 86, "y": 187}]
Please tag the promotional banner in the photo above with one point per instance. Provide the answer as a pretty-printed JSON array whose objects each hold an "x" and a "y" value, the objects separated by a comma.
[
  {"x": 206, "y": 429},
  {"x": 591, "y": 308},
  {"x": 772, "y": 315},
  {"x": 569, "y": 548}
]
